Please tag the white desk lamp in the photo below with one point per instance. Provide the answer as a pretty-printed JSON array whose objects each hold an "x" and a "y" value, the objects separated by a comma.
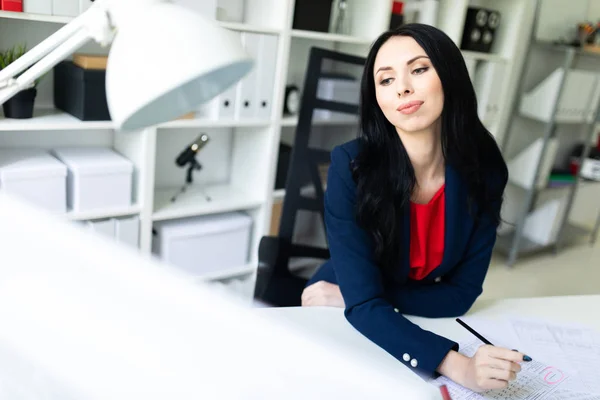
[{"x": 165, "y": 59}]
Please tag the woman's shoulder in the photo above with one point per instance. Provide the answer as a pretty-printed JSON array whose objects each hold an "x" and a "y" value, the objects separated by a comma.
[
  {"x": 345, "y": 153},
  {"x": 342, "y": 158}
]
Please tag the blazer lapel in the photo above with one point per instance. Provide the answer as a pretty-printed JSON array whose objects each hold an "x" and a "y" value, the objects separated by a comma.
[
  {"x": 405, "y": 264},
  {"x": 455, "y": 207}
]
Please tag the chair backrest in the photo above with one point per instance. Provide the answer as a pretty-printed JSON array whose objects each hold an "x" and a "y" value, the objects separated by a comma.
[{"x": 276, "y": 252}]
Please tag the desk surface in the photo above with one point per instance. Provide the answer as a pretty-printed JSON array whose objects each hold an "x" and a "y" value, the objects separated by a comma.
[{"x": 330, "y": 323}]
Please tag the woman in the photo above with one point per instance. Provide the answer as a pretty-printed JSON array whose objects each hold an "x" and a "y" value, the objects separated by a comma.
[{"x": 412, "y": 207}]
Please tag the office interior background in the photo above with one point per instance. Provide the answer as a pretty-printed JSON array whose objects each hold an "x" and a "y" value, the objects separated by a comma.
[{"x": 244, "y": 205}]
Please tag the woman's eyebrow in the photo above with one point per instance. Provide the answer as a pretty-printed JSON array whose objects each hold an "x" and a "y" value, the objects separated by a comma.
[{"x": 388, "y": 68}]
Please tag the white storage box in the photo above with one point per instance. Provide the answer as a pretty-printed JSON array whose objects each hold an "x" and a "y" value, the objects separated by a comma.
[
  {"x": 127, "y": 230},
  {"x": 34, "y": 176},
  {"x": 204, "y": 245},
  {"x": 104, "y": 227},
  {"x": 98, "y": 178}
]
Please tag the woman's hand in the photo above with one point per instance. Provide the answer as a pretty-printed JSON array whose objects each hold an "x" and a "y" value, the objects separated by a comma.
[
  {"x": 322, "y": 293},
  {"x": 490, "y": 368}
]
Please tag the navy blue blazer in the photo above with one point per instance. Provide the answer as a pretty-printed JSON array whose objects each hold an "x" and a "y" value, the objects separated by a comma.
[{"x": 375, "y": 303}]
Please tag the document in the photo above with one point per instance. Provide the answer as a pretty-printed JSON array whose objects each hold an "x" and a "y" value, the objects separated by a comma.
[
  {"x": 535, "y": 381},
  {"x": 566, "y": 360},
  {"x": 575, "y": 349}
]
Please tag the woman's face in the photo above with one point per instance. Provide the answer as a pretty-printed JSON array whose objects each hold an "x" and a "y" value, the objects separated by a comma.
[{"x": 407, "y": 87}]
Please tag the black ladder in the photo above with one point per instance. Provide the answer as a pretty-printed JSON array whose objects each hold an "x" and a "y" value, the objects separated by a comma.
[{"x": 276, "y": 285}]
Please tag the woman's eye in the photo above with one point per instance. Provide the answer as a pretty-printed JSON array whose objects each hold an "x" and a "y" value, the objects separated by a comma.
[
  {"x": 419, "y": 71},
  {"x": 386, "y": 81}
]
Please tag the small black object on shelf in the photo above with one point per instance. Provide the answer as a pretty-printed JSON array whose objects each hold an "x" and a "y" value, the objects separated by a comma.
[
  {"x": 312, "y": 15},
  {"x": 20, "y": 106},
  {"x": 188, "y": 157},
  {"x": 480, "y": 29},
  {"x": 80, "y": 92}
]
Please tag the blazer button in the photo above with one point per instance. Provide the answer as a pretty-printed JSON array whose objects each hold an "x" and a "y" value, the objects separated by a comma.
[
  {"x": 406, "y": 357},
  {"x": 396, "y": 310},
  {"x": 438, "y": 279},
  {"x": 414, "y": 362}
]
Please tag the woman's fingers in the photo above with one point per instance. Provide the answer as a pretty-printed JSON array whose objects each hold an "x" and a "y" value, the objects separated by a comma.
[
  {"x": 504, "y": 364},
  {"x": 506, "y": 354},
  {"x": 501, "y": 374}
]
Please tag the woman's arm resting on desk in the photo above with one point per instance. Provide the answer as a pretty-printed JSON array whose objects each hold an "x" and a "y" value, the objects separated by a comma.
[
  {"x": 450, "y": 298},
  {"x": 460, "y": 288},
  {"x": 360, "y": 280},
  {"x": 322, "y": 294}
]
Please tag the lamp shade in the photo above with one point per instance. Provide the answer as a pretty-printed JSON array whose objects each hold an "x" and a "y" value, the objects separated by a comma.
[{"x": 165, "y": 61}]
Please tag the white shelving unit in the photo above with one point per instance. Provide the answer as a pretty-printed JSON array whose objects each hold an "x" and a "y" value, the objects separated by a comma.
[{"x": 240, "y": 160}]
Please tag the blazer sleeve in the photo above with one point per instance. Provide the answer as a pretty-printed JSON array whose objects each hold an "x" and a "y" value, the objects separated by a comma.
[
  {"x": 455, "y": 295},
  {"x": 360, "y": 280}
]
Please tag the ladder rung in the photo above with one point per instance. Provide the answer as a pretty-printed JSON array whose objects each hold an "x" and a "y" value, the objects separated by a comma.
[{"x": 336, "y": 106}]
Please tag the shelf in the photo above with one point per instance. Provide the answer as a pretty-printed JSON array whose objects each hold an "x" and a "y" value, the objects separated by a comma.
[
  {"x": 214, "y": 123},
  {"x": 49, "y": 119},
  {"x": 570, "y": 235},
  {"x": 36, "y": 17},
  {"x": 330, "y": 37},
  {"x": 235, "y": 26},
  {"x": 483, "y": 56},
  {"x": 223, "y": 198},
  {"x": 293, "y": 121},
  {"x": 238, "y": 26},
  {"x": 228, "y": 273},
  {"x": 103, "y": 213},
  {"x": 591, "y": 51}
]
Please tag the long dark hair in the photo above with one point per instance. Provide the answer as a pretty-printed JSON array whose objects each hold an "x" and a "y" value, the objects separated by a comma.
[{"x": 383, "y": 172}]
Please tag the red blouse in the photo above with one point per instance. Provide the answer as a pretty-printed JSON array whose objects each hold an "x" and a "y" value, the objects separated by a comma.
[{"x": 427, "y": 235}]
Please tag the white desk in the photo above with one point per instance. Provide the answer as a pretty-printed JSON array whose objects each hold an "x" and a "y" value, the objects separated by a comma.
[{"x": 330, "y": 323}]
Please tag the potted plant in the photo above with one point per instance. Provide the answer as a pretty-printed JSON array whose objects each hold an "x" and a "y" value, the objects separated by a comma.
[{"x": 21, "y": 104}]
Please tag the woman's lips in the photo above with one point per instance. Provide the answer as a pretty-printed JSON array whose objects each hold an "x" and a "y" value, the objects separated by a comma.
[{"x": 410, "y": 107}]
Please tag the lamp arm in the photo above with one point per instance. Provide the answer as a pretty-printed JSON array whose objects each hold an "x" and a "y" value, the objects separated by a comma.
[
  {"x": 94, "y": 23},
  {"x": 41, "y": 50}
]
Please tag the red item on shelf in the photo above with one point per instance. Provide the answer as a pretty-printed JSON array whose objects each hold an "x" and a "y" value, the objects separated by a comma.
[
  {"x": 11, "y": 5},
  {"x": 397, "y": 7}
]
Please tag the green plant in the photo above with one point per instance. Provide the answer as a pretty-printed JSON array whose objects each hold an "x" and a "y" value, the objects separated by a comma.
[{"x": 9, "y": 56}]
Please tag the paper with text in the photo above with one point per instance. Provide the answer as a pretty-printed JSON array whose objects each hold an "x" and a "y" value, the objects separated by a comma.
[
  {"x": 535, "y": 381},
  {"x": 575, "y": 349}
]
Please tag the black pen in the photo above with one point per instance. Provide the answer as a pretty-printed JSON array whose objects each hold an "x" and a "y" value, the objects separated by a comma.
[
  {"x": 467, "y": 327},
  {"x": 484, "y": 340}
]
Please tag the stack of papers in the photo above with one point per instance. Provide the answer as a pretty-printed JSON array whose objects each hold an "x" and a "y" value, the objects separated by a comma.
[{"x": 566, "y": 360}]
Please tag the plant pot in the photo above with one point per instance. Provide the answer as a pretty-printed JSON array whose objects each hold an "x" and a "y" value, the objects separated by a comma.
[{"x": 20, "y": 105}]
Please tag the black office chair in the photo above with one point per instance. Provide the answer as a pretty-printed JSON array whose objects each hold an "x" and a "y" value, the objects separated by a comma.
[{"x": 276, "y": 284}]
